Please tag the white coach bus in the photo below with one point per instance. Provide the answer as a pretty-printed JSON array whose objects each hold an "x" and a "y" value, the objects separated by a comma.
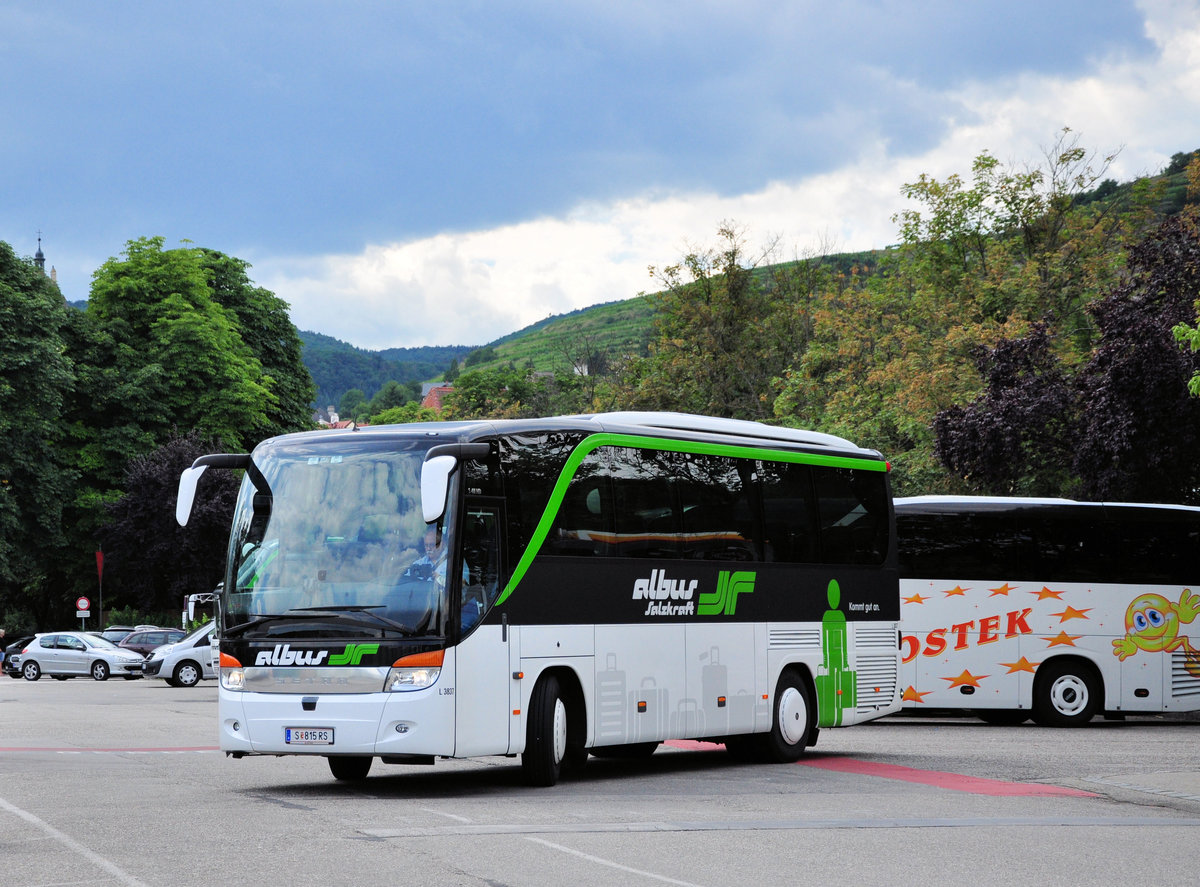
[
  {"x": 1048, "y": 608},
  {"x": 553, "y": 588}
]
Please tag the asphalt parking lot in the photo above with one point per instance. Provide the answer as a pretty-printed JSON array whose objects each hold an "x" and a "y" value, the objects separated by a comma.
[{"x": 121, "y": 783}]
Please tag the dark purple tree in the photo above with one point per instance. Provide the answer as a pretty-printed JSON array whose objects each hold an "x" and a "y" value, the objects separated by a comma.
[
  {"x": 151, "y": 562},
  {"x": 1140, "y": 428},
  {"x": 1015, "y": 438}
]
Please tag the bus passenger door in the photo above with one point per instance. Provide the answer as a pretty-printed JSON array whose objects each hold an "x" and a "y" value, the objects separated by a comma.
[{"x": 483, "y": 674}]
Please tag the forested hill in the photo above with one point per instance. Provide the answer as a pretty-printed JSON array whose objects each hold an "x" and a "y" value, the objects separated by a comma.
[{"x": 337, "y": 366}]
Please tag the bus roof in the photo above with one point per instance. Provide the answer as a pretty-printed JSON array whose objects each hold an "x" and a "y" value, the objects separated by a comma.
[
  {"x": 1000, "y": 503},
  {"x": 665, "y": 424}
]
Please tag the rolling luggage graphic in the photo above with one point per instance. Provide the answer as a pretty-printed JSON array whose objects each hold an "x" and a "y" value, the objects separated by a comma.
[
  {"x": 652, "y": 723},
  {"x": 611, "y": 726},
  {"x": 714, "y": 685}
]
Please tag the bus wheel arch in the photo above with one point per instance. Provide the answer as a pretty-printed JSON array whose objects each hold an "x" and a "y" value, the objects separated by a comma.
[
  {"x": 793, "y": 718},
  {"x": 1067, "y": 692},
  {"x": 554, "y": 728}
]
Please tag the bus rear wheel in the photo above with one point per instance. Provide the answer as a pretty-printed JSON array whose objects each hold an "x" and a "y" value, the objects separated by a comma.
[
  {"x": 1065, "y": 694},
  {"x": 350, "y": 768},
  {"x": 791, "y": 722}
]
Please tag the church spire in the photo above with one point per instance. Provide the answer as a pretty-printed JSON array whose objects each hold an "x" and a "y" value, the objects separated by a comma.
[{"x": 39, "y": 258}]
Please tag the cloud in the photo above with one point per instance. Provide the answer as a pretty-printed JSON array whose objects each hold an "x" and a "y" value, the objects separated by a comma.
[{"x": 472, "y": 287}]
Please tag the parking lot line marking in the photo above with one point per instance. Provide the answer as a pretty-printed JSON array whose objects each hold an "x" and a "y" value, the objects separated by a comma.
[
  {"x": 608, "y": 862},
  {"x": 70, "y": 843},
  {"x": 108, "y": 751}
]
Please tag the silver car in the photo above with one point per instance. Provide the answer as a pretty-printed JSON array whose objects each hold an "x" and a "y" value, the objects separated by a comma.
[
  {"x": 184, "y": 663},
  {"x": 68, "y": 654}
]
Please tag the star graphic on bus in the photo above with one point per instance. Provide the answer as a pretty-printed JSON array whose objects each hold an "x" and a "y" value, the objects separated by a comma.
[
  {"x": 956, "y": 590},
  {"x": 966, "y": 679},
  {"x": 1062, "y": 639},
  {"x": 1071, "y": 613},
  {"x": 1002, "y": 590},
  {"x": 1021, "y": 664},
  {"x": 912, "y": 694},
  {"x": 915, "y": 599},
  {"x": 1047, "y": 593}
]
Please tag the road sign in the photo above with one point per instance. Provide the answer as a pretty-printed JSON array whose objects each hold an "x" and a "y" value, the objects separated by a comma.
[{"x": 83, "y": 604}]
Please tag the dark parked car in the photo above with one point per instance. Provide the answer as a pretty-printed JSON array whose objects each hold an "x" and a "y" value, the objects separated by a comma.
[
  {"x": 145, "y": 640},
  {"x": 116, "y": 633},
  {"x": 12, "y": 656}
]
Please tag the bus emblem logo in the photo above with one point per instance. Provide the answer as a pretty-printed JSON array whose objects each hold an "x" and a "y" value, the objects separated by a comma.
[
  {"x": 723, "y": 601},
  {"x": 353, "y": 654}
]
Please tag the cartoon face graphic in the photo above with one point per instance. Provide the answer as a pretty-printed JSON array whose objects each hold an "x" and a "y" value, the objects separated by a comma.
[{"x": 1151, "y": 622}]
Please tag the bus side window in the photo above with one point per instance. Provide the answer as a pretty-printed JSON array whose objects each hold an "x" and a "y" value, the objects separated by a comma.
[
  {"x": 584, "y": 524},
  {"x": 789, "y": 513},
  {"x": 853, "y": 513}
]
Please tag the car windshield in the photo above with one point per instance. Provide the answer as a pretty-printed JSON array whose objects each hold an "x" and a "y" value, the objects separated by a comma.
[
  {"x": 196, "y": 635},
  {"x": 98, "y": 642},
  {"x": 339, "y": 544}
]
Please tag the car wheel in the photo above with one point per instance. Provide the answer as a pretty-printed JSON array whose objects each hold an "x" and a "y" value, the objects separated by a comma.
[
  {"x": 100, "y": 670},
  {"x": 350, "y": 767},
  {"x": 187, "y": 674},
  {"x": 31, "y": 671}
]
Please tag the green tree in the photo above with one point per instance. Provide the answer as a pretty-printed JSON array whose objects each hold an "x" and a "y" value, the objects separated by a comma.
[
  {"x": 165, "y": 326},
  {"x": 264, "y": 325},
  {"x": 720, "y": 338},
  {"x": 351, "y": 402},
  {"x": 36, "y": 377}
]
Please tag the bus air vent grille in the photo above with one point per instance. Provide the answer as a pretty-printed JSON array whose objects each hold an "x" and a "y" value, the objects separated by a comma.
[
  {"x": 1185, "y": 675},
  {"x": 795, "y": 637},
  {"x": 881, "y": 637},
  {"x": 876, "y": 682}
]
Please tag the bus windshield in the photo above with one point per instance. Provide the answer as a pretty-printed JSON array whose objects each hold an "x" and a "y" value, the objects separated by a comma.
[{"x": 337, "y": 547}]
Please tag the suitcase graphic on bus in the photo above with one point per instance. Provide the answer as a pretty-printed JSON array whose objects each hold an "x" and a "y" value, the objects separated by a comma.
[
  {"x": 649, "y": 706},
  {"x": 714, "y": 685},
  {"x": 611, "y": 726},
  {"x": 687, "y": 720}
]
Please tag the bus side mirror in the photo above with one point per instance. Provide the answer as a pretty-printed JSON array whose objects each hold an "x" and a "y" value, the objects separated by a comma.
[
  {"x": 435, "y": 484},
  {"x": 187, "y": 493}
]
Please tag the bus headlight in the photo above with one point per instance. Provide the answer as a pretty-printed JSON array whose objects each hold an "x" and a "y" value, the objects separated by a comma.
[
  {"x": 414, "y": 672},
  {"x": 233, "y": 678}
]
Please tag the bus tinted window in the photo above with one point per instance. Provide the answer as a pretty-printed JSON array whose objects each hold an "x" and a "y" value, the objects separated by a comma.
[
  {"x": 789, "y": 513},
  {"x": 717, "y": 517},
  {"x": 853, "y": 512},
  {"x": 646, "y": 518}
]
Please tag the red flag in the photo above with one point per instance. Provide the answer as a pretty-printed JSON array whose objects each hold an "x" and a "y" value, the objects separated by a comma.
[{"x": 99, "y": 564}]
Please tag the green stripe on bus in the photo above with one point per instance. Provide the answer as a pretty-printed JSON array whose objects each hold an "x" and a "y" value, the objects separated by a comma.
[{"x": 699, "y": 448}]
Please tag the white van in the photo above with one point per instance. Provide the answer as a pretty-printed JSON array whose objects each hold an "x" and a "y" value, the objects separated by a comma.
[{"x": 184, "y": 663}]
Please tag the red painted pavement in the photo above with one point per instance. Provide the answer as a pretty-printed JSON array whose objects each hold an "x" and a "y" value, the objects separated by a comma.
[{"x": 938, "y": 778}]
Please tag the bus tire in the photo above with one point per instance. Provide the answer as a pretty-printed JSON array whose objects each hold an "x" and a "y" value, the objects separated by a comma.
[
  {"x": 1065, "y": 694},
  {"x": 792, "y": 721},
  {"x": 631, "y": 752},
  {"x": 545, "y": 734},
  {"x": 350, "y": 768},
  {"x": 1002, "y": 717}
]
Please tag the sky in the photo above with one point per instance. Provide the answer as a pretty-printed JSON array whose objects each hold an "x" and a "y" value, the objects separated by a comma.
[{"x": 432, "y": 172}]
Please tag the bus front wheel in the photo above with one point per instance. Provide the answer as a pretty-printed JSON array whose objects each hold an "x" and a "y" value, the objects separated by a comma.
[
  {"x": 545, "y": 734},
  {"x": 350, "y": 768},
  {"x": 791, "y": 722},
  {"x": 1065, "y": 694}
]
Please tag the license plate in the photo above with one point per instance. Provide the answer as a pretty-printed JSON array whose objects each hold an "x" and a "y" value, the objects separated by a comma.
[{"x": 308, "y": 735}]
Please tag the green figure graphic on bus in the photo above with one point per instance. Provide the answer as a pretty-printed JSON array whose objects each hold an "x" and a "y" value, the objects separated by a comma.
[{"x": 837, "y": 688}]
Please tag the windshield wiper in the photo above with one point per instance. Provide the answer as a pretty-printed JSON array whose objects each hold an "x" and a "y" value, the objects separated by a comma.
[{"x": 364, "y": 610}]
